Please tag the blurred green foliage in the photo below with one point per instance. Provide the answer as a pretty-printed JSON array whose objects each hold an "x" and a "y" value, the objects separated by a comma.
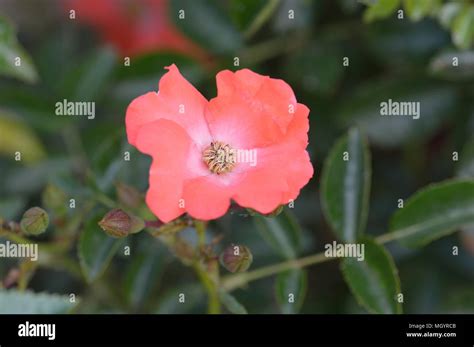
[
  {"x": 457, "y": 16},
  {"x": 13, "y": 56}
]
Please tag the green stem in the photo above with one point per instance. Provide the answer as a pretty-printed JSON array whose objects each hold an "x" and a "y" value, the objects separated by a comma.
[
  {"x": 263, "y": 16},
  {"x": 43, "y": 246},
  {"x": 233, "y": 282},
  {"x": 201, "y": 232},
  {"x": 13, "y": 237},
  {"x": 105, "y": 200},
  {"x": 214, "y": 304}
]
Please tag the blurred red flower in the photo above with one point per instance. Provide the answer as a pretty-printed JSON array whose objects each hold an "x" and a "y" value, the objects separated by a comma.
[
  {"x": 247, "y": 144},
  {"x": 134, "y": 27}
]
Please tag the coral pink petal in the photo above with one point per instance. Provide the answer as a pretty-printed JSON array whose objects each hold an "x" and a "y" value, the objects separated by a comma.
[
  {"x": 261, "y": 190},
  {"x": 299, "y": 172},
  {"x": 163, "y": 200},
  {"x": 176, "y": 100},
  {"x": 170, "y": 146},
  {"x": 270, "y": 96},
  {"x": 205, "y": 199},
  {"x": 240, "y": 125},
  {"x": 281, "y": 171},
  {"x": 243, "y": 81},
  {"x": 299, "y": 126}
]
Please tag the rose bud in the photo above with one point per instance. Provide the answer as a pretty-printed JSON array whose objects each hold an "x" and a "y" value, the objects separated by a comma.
[
  {"x": 236, "y": 258},
  {"x": 118, "y": 223},
  {"x": 35, "y": 221}
]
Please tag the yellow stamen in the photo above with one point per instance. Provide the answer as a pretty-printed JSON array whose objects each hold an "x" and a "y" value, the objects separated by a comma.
[{"x": 219, "y": 157}]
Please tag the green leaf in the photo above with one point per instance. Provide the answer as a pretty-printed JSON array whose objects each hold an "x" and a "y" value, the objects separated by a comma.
[
  {"x": 115, "y": 167},
  {"x": 316, "y": 69},
  {"x": 291, "y": 289},
  {"x": 143, "y": 272},
  {"x": 32, "y": 105},
  {"x": 10, "y": 50},
  {"x": 380, "y": 9},
  {"x": 231, "y": 303},
  {"x": 465, "y": 167},
  {"x": 21, "y": 180},
  {"x": 90, "y": 79},
  {"x": 207, "y": 24},
  {"x": 194, "y": 300},
  {"x": 417, "y": 9},
  {"x": 96, "y": 249},
  {"x": 448, "y": 12},
  {"x": 345, "y": 186},
  {"x": 16, "y": 302},
  {"x": 56, "y": 55},
  {"x": 442, "y": 66},
  {"x": 433, "y": 212},
  {"x": 463, "y": 27},
  {"x": 281, "y": 232},
  {"x": 398, "y": 43},
  {"x": 373, "y": 281},
  {"x": 17, "y": 136}
]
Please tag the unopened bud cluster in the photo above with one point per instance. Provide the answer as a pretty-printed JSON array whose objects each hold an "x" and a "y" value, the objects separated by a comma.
[
  {"x": 35, "y": 221},
  {"x": 236, "y": 258},
  {"x": 118, "y": 223}
]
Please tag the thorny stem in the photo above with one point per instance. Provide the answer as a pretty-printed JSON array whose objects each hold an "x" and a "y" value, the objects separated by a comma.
[{"x": 233, "y": 282}]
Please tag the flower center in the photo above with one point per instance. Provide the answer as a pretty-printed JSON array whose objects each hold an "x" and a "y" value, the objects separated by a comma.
[{"x": 219, "y": 157}]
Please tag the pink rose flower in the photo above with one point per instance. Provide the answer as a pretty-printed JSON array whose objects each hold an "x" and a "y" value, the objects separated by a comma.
[{"x": 248, "y": 144}]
